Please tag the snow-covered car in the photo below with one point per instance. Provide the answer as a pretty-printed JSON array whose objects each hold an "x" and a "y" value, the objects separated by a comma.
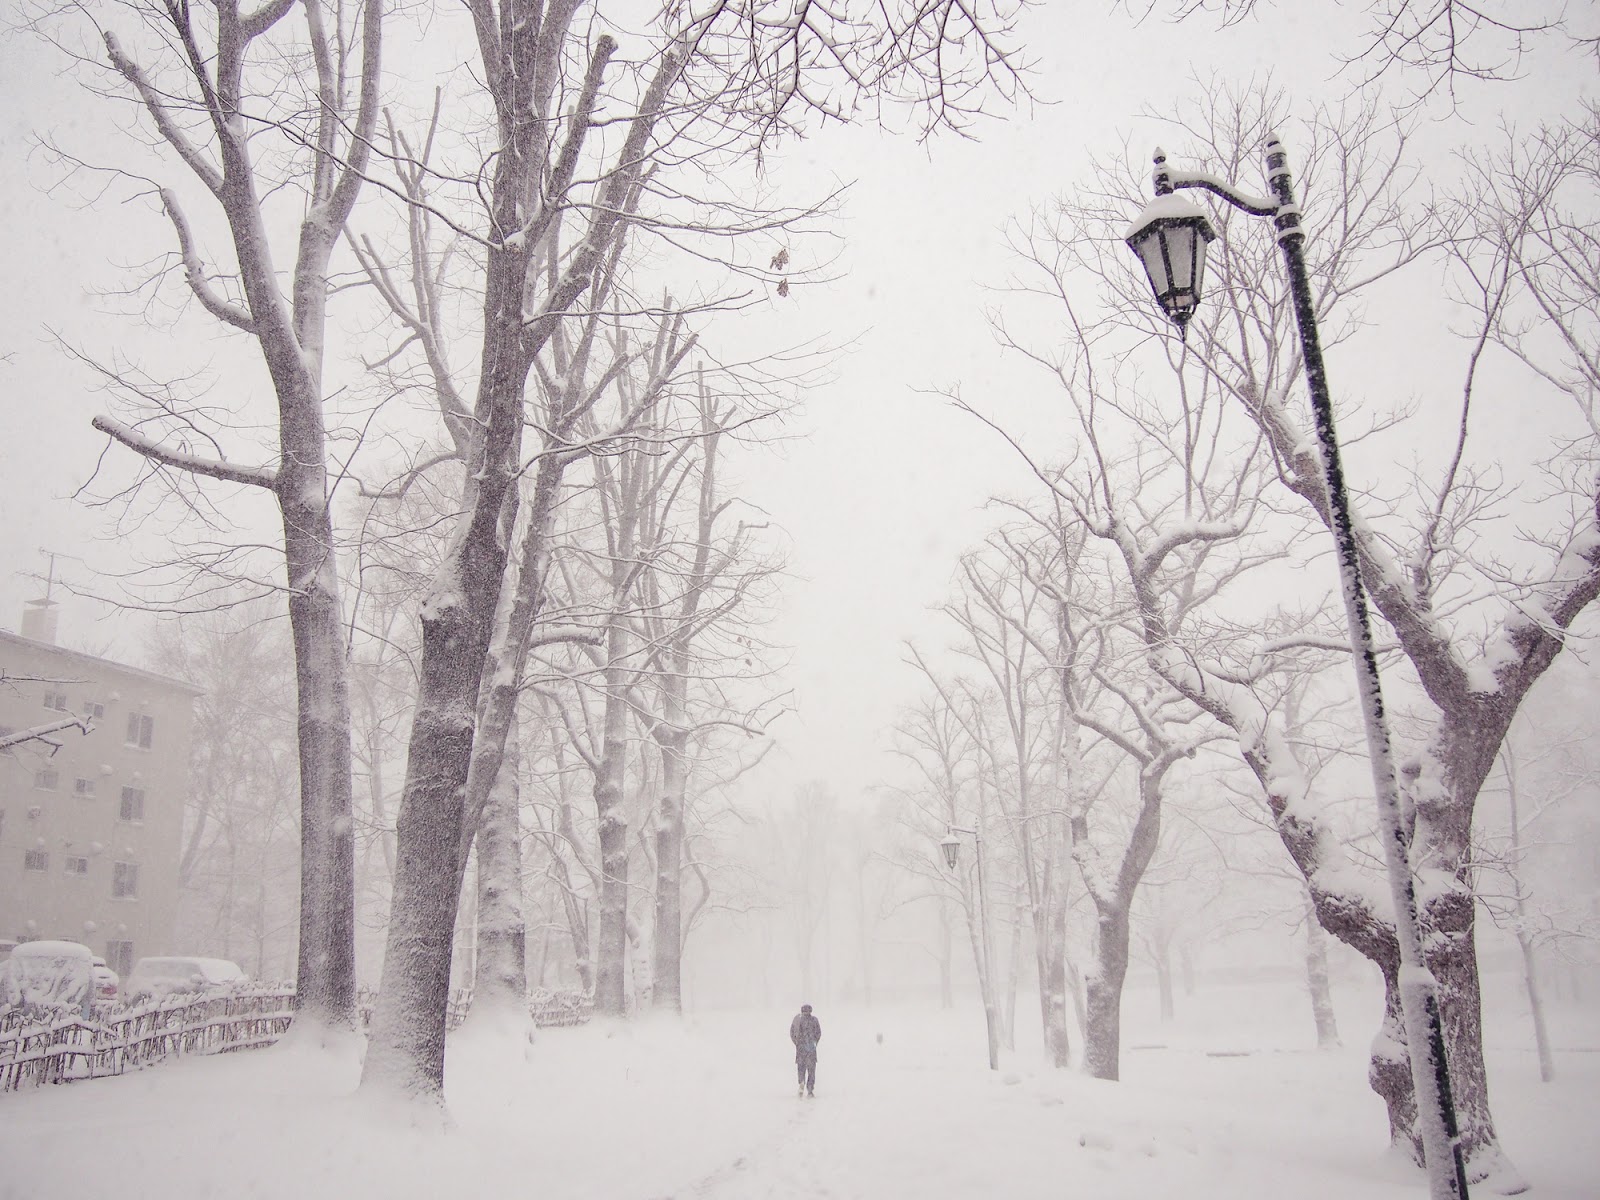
[
  {"x": 107, "y": 983},
  {"x": 48, "y": 975},
  {"x": 161, "y": 976}
]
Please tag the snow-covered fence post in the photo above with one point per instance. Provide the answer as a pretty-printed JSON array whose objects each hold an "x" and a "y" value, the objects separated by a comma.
[{"x": 1170, "y": 231}]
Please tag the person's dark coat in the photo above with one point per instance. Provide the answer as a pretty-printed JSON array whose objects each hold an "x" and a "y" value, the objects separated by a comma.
[{"x": 805, "y": 1031}]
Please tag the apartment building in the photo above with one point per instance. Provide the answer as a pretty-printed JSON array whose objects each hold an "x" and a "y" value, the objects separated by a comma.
[{"x": 90, "y": 824}]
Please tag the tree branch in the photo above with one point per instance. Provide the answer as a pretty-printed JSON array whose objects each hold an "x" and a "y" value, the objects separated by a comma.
[{"x": 262, "y": 477}]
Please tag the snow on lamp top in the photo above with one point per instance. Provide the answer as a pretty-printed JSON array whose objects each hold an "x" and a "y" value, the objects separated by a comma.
[{"x": 1170, "y": 237}]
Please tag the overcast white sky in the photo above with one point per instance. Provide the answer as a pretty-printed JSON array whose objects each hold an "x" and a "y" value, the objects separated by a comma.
[{"x": 887, "y": 486}]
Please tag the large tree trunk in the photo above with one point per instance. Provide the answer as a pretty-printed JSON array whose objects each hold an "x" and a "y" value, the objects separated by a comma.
[
  {"x": 406, "y": 1046},
  {"x": 1102, "y": 1037},
  {"x": 1112, "y": 892},
  {"x": 576, "y": 911},
  {"x": 405, "y": 1050},
  {"x": 500, "y": 982},
  {"x": 1317, "y": 980},
  {"x": 1453, "y": 960},
  {"x": 610, "y": 987},
  {"x": 1443, "y": 800},
  {"x": 1051, "y": 946},
  {"x": 326, "y": 962},
  {"x": 668, "y": 965},
  {"x": 1008, "y": 1026}
]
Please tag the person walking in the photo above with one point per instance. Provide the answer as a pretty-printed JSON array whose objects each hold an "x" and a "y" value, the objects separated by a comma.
[{"x": 805, "y": 1031}]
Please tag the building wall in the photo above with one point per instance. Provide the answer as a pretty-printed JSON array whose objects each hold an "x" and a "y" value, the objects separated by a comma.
[{"x": 90, "y": 835}]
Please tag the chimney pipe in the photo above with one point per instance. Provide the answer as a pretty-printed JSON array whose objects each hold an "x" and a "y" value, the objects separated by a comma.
[{"x": 39, "y": 621}]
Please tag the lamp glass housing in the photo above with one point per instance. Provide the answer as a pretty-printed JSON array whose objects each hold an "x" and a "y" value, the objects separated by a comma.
[
  {"x": 951, "y": 845},
  {"x": 1170, "y": 237}
]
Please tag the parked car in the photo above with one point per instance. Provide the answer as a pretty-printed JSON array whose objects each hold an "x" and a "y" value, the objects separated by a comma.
[
  {"x": 107, "y": 983},
  {"x": 161, "y": 976},
  {"x": 48, "y": 974}
]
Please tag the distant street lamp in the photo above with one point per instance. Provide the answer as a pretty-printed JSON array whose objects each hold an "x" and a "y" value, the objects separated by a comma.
[
  {"x": 951, "y": 845},
  {"x": 1170, "y": 237}
]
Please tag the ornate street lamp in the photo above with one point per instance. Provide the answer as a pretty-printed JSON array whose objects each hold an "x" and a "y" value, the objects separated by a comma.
[
  {"x": 1174, "y": 286},
  {"x": 951, "y": 845},
  {"x": 1170, "y": 237}
]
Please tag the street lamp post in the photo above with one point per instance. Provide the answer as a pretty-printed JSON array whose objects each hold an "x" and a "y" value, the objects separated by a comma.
[
  {"x": 951, "y": 845},
  {"x": 1170, "y": 238}
]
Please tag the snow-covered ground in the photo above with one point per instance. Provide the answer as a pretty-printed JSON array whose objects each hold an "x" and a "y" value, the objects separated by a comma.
[{"x": 1226, "y": 1102}]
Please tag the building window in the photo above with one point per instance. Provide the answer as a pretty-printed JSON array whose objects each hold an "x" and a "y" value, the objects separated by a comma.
[
  {"x": 35, "y": 860},
  {"x": 76, "y": 865},
  {"x": 119, "y": 957},
  {"x": 56, "y": 701},
  {"x": 94, "y": 709},
  {"x": 47, "y": 779},
  {"x": 83, "y": 787},
  {"x": 125, "y": 881},
  {"x": 132, "y": 808},
  {"x": 141, "y": 730}
]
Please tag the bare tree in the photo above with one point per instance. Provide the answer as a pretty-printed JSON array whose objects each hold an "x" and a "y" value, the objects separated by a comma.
[
  {"x": 947, "y": 742},
  {"x": 523, "y": 64},
  {"x": 1145, "y": 728},
  {"x": 1417, "y": 578},
  {"x": 699, "y": 579},
  {"x": 1442, "y": 44},
  {"x": 253, "y": 112},
  {"x": 1423, "y": 580},
  {"x": 1546, "y": 906},
  {"x": 1000, "y": 613},
  {"x": 714, "y": 78}
]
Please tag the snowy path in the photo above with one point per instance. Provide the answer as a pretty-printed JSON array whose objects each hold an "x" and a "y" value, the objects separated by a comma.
[
  {"x": 881, "y": 1125},
  {"x": 706, "y": 1110}
]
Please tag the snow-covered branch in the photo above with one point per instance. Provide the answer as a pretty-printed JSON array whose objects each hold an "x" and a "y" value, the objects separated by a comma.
[
  {"x": 41, "y": 733},
  {"x": 194, "y": 272},
  {"x": 194, "y": 464},
  {"x": 157, "y": 106}
]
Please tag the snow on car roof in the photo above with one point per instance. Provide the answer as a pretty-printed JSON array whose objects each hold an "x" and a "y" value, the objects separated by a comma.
[{"x": 48, "y": 949}]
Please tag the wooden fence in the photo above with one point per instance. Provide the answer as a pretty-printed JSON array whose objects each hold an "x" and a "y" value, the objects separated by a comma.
[{"x": 40, "y": 1048}]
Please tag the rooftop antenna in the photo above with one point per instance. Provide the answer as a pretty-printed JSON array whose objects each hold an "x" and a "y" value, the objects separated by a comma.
[
  {"x": 48, "y": 579},
  {"x": 39, "y": 618}
]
